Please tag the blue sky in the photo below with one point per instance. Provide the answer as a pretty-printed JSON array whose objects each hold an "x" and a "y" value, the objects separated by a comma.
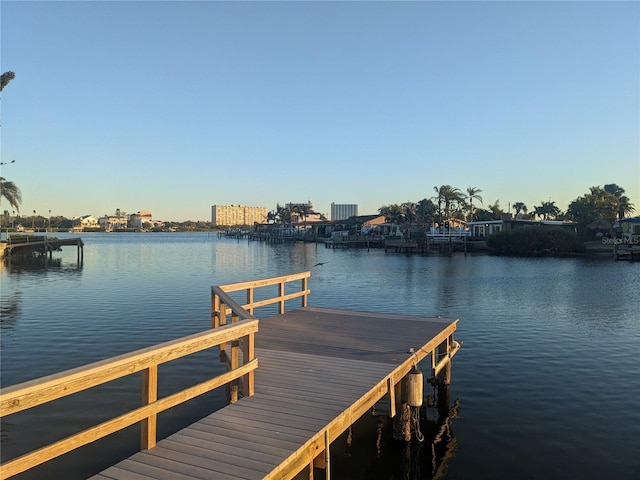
[{"x": 176, "y": 106}]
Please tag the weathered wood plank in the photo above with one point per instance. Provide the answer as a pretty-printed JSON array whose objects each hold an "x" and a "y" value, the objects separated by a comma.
[
  {"x": 237, "y": 454},
  {"x": 177, "y": 463},
  {"x": 117, "y": 473},
  {"x": 256, "y": 414},
  {"x": 243, "y": 447},
  {"x": 310, "y": 409},
  {"x": 243, "y": 425},
  {"x": 264, "y": 441},
  {"x": 134, "y": 465}
]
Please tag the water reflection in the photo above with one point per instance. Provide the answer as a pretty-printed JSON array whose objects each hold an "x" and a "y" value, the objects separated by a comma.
[
  {"x": 36, "y": 263},
  {"x": 354, "y": 457},
  {"x": 9, "y": 311}
]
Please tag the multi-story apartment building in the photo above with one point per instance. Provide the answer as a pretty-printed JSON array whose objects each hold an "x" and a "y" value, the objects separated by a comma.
[
  {"x": 342, "y": 211},
  {"x": 231, "y": 215}
]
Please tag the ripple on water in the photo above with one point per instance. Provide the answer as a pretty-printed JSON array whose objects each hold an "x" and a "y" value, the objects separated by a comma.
[{"x": 547, "y": 377}]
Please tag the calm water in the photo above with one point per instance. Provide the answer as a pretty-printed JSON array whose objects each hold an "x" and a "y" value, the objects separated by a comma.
[{"x": 547, "y": 381}]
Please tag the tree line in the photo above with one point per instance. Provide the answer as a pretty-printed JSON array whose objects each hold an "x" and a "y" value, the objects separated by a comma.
[{"x": 606, "y": 203}]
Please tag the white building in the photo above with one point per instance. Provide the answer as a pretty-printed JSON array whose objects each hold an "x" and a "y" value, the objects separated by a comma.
[
  {"x": 86, "y": 221},
  {"x": 113, "y": 222},
  {"x": 342, "y": 211}
]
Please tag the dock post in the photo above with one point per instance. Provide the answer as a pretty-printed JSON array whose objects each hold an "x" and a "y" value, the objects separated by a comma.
[
  {"x": 444, "y": 379},
  {"x": 327, "y": 455},
  {"x": 402, "y": 420}
]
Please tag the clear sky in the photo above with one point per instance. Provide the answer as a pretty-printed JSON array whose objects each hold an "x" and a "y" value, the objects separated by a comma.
[{"x": 176, "y": 106}]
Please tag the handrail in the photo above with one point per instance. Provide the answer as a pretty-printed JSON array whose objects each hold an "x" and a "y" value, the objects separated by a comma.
[
  {"x": 223, "y": 306},
  {"x": 220, "y": 318},
  {"x": 36, "y": 392}
]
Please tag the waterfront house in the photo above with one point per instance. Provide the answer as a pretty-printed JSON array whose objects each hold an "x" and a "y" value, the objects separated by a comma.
[
  {"x": 486, "y": 228},
  {"x": 87, "y": 221},
  {"x": 359, "y": 223},
  {"x": 630, "y": 227},
  {"x": 142, "y": 219},
  {"x": 109, "y": 223}
]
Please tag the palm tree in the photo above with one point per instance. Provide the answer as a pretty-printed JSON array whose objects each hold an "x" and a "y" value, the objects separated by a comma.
[
  {"x": 439, "y": 198},
  {"x": 5, "y": 78},
  {"x": 451, "y": 197},
  {"x": 392, "y": 213},
  {"x": 283, "y": 214},
  {"x": 425, "y": 211},
  {"x": 614, "y": 189},
  {"x": 519, "y": 207},
  {"x": 11, "y": 192},
  {"x": 409, "y": 212},
  {"x": 496, "y": 211},
  {"x": 303, "y": 210},
  {"x": 472, "y": 193},
  {"x": 547, "y": 210},
  {"x": 409, "y": 215},
  {"x": 624, "y": 206}
]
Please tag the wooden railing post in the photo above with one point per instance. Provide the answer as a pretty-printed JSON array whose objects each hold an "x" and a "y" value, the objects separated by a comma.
[
  {"x": 281, "y": 295},
  {"x": 215, "y": 309},
  {"x": 250, "y": 300},
  {"x": 248, "y": 354},
  {"x": 234, "y": 364},
  {"x": 222, "y": 320},
  {"x": 305, "y": 284},
  {"x": 149, "y": 395},
  {"x": 223, "y": 313}
]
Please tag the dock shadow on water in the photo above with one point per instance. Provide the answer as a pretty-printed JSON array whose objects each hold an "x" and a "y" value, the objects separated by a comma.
[{"x": 37, "y": 264}]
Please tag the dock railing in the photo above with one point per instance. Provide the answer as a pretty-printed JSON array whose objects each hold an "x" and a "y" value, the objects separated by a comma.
[
  {"x": 220, "y": 313},
  {"x": 47, "y": 389},
  {"x": 224, "y": 308}
]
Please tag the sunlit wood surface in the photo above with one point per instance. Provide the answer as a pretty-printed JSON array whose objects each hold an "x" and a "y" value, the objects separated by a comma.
[{"x": 319, "y": 371}]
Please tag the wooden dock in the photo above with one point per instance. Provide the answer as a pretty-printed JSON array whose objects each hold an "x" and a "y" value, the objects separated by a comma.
[
  {"x": 320, "y": 369},
  {"x": 40, "y": 245},
  {"x": 627, "y": 251}
]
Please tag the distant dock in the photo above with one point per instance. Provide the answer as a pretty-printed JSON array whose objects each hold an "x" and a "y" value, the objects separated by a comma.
[
  {"x": 25, "y": 245},
  {"x": 629, "y": 251}
]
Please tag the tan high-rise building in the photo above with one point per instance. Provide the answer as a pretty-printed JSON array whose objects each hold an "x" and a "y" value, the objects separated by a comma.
[{"x": 233, "y": 215}]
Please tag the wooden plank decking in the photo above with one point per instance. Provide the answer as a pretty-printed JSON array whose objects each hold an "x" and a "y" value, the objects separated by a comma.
[{"x": 319, "y": 371}]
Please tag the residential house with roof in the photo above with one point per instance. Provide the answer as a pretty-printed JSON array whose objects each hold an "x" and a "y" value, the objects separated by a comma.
[
  {"x": 86, "y": 221},
  {"x": 109, "y": 223},
  {"x": 483, "y": 229},
  {"x": 140, "y": 218},
  {"x": 630, "y": 227}
]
